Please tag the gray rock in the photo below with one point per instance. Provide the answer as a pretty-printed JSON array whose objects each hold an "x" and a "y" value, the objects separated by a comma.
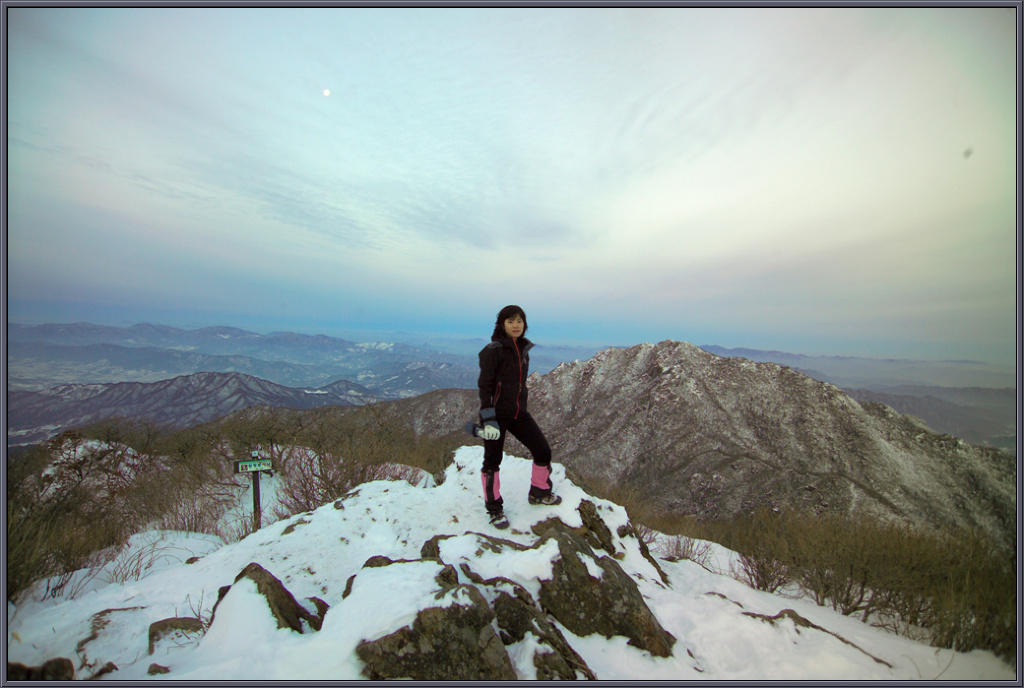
[
  {"x": 283, "y": 605},
  {"x": 610, "y": 605},
  {"x": 159, "y": 629},
  {"x": 57, "y": 669},
  {"x": 517, "y": 614},
  {"x": 453, "y": 643},
  {"x": 630, "y": 530},
  {"x": 601, "y": 536},
  {"x": 432, "y": 548}
]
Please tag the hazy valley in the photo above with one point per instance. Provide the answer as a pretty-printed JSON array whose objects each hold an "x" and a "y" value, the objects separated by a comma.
[{"x": 57, "y": 377}]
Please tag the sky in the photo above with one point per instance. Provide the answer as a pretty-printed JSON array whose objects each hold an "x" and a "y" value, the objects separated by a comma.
[
  {"x": 702, "y": 606},
  {"x": 825, "y": 181}
]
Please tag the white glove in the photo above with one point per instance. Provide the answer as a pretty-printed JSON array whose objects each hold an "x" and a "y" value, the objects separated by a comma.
[{"x": 490, "y": 431}]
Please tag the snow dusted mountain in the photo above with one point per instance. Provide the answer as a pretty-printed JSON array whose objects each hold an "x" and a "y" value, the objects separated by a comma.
[
  {"x": 978, "y": 415},
  {"x": 710, "y": 436},
  {"x": 969, "y": 399},
  {"x": 182, "y": 401},
  {"x": 972, "y": 400},
  {"x": 396, "y": 580}
]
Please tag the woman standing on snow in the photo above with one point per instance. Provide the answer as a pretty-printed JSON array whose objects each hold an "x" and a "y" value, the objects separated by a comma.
[{"x": 504, "y": 367}]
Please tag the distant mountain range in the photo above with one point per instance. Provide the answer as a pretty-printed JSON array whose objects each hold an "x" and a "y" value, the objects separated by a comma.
[
  {"x": 182, "y": 401},
  {"x": 883, "y": 374},
  {"x": 47, "y": 359},
  {"x": 43, "y": 356}
]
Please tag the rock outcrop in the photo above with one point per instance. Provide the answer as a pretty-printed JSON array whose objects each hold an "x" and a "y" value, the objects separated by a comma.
[
  {"x": 455, "y": 642},
  {"x": 517, "y": 614},
  {"x": 164, "y": 627},
  {"x": 462, "y": 638},
  {"x": 283, "y": 605},
  {"x": 605, "y": 601},
  {"x": 57, "y": 669}
]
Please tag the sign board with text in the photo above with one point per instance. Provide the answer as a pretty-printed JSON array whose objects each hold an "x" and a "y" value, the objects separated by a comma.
[{"x": 253, "y": 465}]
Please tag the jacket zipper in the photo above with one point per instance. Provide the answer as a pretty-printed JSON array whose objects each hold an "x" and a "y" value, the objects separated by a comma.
[{"x": 519, "y": 388}]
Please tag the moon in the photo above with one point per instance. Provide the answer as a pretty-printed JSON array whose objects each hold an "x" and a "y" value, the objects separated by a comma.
[{"x": 327, "y": 92}]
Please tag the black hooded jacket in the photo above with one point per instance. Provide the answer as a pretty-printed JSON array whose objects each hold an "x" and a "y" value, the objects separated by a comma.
[{"x": 504, "y": 367}]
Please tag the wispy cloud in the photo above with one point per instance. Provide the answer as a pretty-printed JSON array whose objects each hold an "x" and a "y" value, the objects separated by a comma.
[{"x": 659, "y": 168}]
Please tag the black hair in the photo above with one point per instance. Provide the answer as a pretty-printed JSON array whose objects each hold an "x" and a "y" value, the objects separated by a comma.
[{"x": 503, "y": 315}]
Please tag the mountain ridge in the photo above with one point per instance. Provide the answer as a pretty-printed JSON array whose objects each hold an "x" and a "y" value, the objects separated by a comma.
[
  {"x": 221, "y": 337},
  {"x": 45, "y": 356},
  {"x": 181, "y": 401},
  {"x": 714, "y": 437}
]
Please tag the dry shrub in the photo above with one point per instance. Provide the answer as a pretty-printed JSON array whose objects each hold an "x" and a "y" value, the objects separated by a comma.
[
  {"x": 841, "y": 559},
  {"x": 957, "y": 589},
  {"x": 643, "y": 514},
  {"x": 46, "y": 544},
  {"x": 681, "y": 548},
  {"x": 28, "y": 557},
  {"x": 321, "y": 455},
  {"x": 971, "y": 593},
  {"x": 73, "y": 504},
  {"x": 317, "y": 479},
  {"x": 194, "y": 513},
  {"x": 763, "y": 546},
  {"x": 115, "y": 478}
]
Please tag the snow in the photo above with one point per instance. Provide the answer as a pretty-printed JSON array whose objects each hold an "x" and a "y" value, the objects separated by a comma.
[
  {"x": 314, "y": 554},
  {"x": 527, "y": 568},
  {"x": 376, "y": 346}
]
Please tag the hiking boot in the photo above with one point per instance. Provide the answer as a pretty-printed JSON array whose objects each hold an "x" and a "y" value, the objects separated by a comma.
[
  {"x": 546, "y": 500},
  {"x": 498, "y": 520}
]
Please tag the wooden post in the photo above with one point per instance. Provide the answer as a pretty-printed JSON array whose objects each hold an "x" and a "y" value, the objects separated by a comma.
[
  {"x": 254, "y": 467},
  {"x": 256, "y": 501},
  {"x": 256, "y": 519}
]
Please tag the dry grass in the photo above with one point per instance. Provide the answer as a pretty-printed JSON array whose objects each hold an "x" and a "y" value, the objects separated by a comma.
[
  {"x": 956, "y": 589},
  {"x": 73, "y": 502}
]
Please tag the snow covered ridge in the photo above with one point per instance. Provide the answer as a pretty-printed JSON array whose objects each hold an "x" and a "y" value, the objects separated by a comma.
[
  {"x": 395, "y": 566},
  {"x": 710, "y": 436}
]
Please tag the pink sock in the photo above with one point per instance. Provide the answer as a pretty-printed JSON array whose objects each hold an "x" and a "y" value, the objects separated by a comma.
[
  {"x": 496, "y": 486},
  {"x": 541, "y": 477}
]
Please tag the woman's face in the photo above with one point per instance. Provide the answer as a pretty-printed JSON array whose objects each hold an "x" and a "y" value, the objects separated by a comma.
[{"x": 514, "y": 326}]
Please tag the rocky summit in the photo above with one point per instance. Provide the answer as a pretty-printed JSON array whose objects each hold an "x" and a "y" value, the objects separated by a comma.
[
  {"x": 459, "y": 602},
  {"x": 397, "y": 580}
]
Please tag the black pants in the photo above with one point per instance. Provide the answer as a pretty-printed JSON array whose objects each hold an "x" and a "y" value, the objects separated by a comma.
[{"x": 526, "y": 430}]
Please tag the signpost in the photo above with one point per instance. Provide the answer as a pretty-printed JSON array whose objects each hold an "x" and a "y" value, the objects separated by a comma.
[{"x": 254, "y": 467}]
